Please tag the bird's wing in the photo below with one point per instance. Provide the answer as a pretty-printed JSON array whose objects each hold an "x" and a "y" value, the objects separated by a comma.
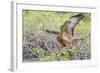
[
  {"x": 72, "y": 22},
  {"x": 53, "y": 32}
]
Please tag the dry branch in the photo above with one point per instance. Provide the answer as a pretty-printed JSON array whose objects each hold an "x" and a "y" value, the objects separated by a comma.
[{"x": 50, "y": 45}]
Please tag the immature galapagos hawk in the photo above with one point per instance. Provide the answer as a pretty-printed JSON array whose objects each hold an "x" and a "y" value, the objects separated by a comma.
[{"x": 66, "y": 36}]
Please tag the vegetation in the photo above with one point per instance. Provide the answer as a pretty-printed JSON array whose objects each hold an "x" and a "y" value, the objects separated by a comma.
[{"x": 36, "y": 22}]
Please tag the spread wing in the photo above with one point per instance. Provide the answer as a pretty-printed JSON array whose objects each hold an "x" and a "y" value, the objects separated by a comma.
[
  {"x": 73, "y": 21},
  {"x": 70, "y": 24}
]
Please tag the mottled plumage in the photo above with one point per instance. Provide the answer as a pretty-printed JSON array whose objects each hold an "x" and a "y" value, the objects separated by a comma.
[{"x": 65, "y": 37}]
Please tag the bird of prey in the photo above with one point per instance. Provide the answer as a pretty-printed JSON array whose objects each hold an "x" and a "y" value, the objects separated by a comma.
[{"x": 66, "y": 34}]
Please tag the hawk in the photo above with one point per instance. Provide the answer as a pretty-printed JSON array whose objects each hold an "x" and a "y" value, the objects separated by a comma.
[{"x": 66, "y": 34}]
